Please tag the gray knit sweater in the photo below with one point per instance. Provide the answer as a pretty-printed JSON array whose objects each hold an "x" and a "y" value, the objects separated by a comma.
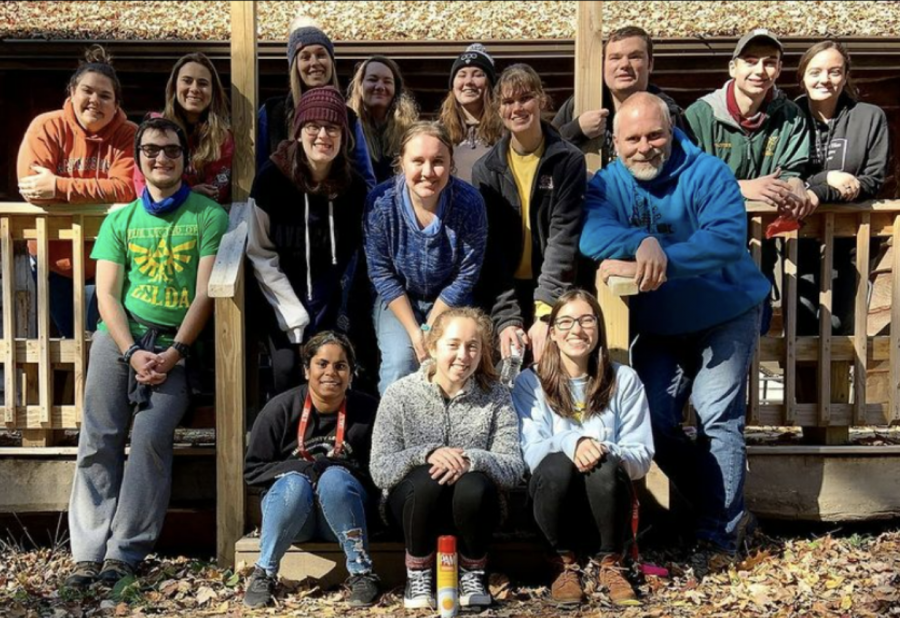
[{"x": 414, "y": 419}]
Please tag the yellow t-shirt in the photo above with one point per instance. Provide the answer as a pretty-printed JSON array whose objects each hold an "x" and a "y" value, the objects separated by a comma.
[{"x": 524, "y": 168}]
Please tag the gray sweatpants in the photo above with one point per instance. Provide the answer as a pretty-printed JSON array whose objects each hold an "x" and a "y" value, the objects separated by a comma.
[{"x": 116, "y": 511}]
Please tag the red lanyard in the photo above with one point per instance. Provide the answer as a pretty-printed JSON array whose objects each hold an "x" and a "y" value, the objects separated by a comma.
[{"x": 304, "y": 421}]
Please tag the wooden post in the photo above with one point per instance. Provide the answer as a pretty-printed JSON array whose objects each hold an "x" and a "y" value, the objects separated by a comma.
[
  {"x": 588, "y": 96},
  {"x": 231, "y": 396},
  {"x": 226, "y": 286},
  {"x": 45, "y": 372},
  {"x": 79, "y": 314},
  {"x": 756, "y": 236},
  {"x": 9, "y": 326},
  {"x": 861, "y": 322},
  {"x": 894, "y": 412},
  {"x": 589, "y": 69},
  {"x": 244, "y": 97},
  {"x": 825, "y": 328},
  {"x": 790, "y": 331}
]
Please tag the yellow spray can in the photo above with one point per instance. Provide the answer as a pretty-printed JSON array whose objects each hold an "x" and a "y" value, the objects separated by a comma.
[{"x": 447, "y": 577}]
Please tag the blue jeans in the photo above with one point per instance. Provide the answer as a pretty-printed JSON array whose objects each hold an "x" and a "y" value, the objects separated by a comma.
[
  {"x": 62, "y": 303},
  {"x": 398, "y": 359},
  {"x": 710, "y": 367},
  {"x": 334, "y": 511}
]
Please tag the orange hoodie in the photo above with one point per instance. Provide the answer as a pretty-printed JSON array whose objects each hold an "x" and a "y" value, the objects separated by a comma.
[{"x": 90, "y": 168}]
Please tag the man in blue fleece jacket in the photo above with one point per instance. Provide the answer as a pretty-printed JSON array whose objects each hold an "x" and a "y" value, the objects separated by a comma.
[{"x": 673, "y": 218}]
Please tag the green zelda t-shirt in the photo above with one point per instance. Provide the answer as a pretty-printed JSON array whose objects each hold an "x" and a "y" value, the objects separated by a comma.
[{"x": 161, "y": 256}]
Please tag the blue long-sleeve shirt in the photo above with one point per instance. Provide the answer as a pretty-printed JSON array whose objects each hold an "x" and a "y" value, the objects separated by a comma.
[
  {"x": 443, "y": 261},
  {"x": 695, "y": 210},
  {"x": 623, "y": 427}
]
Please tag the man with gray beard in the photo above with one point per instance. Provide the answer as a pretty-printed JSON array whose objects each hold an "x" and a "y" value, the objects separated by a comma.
[{"x": 672, "y": 217}]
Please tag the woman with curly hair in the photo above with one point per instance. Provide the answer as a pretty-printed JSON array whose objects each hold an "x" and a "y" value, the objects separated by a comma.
[
  {"x": 197, "y": 102},
  {"x": 468, "y": 113},
  {"x": 385, "y": 109}
]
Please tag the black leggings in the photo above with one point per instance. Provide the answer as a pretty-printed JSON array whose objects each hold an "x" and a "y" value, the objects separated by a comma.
[
  {"x": 578, "y": 511},
  {"x": 470, "y": 508}
]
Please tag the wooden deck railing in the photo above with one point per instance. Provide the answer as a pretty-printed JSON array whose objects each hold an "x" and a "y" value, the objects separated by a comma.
[
  {"x": 28, "y": 360},
  {"x": 29, "y": 403},
  {"x": 843, "y": 363}
]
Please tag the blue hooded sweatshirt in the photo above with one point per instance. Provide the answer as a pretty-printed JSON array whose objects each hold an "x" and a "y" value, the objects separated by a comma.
[{"x": 695, "y": 210}]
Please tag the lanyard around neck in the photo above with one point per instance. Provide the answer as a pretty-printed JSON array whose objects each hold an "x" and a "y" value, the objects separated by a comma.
[{"x": 304, "y": 421}]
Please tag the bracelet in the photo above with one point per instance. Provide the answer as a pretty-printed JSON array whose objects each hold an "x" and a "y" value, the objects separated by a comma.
[
  {"x": 425, "y": 328},
  {"x": 183, "y": 349},
  {"x": 130, "y": 352}
]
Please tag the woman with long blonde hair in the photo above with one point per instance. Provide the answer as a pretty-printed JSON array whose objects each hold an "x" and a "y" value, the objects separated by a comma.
[{"x": 385, "y": 109}]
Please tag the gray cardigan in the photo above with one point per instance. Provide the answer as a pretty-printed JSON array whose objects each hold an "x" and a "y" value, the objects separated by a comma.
[{"x": 414, "y": 419}]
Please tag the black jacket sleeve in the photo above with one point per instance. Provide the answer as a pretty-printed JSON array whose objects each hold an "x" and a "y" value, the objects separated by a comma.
[
  {"x": 568, "y": 126},
  {"x": 558, "y": 269},
  {"x": 265, "y": 460},
  {"x": 873, "y": 172}
]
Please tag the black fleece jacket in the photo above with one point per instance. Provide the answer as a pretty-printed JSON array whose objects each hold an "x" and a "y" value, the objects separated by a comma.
[
  {"x": 273, "y": 439},
  {"x": 556, "y": 202},
  {"x": 857, "y": 141},
  {"x": 567, "y": 123}
]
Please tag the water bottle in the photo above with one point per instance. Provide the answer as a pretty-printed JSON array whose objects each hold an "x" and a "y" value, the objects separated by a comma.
[
  {"x": 511, "y": 365},
  {"x": 447, "y": 577}
]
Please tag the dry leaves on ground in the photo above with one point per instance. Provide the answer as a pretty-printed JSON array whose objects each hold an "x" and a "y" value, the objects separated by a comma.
[{"x": 856, "y": 576}]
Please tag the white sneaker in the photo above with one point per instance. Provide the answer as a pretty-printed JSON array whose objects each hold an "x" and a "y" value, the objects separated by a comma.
[
  {"x": 472, "y": 591},
  {"x": 419, "y": 592}
]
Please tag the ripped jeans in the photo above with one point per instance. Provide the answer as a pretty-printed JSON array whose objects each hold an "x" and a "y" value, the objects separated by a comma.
[{"x": 295, "y": 512}]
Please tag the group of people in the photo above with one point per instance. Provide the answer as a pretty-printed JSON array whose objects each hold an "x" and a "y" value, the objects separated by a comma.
[{"x": 453, "y": 244}]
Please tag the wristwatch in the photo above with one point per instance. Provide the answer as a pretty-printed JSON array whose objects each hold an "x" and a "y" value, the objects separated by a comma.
[{"x": 183, "y": 349}]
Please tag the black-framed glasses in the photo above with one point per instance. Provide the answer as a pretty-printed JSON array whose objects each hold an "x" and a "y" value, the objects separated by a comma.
[
  {"x": 172, "y": 151},
  {"x": 311, "y": 128},
  {"x": 587, "y": 322}
]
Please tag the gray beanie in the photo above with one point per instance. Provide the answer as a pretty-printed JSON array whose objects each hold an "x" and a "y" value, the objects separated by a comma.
[{"x": 308, "y": 35}]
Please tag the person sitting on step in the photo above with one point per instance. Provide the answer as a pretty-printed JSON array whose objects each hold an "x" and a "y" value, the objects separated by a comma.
[{"x": 309, "y": 451}]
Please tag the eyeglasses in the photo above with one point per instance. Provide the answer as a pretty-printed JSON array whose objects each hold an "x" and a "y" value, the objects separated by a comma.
[
  {"x": 172, "y": 151},
  {"x": 587, "y": 322},
  {"x": 311, "y": 128}
]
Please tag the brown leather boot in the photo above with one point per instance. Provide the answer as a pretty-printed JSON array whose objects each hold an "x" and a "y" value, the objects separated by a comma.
[
  {"x": 566, "y": 588},
  {"x": 610, "y": 576}
]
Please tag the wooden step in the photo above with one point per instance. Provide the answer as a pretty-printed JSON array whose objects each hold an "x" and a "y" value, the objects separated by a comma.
[{"x": 324, "y": 563}]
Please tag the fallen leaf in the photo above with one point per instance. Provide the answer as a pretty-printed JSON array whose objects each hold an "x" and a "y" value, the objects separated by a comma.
[
  {"x": 499, "y": 586},
  {"x": 205, "y": 594}
]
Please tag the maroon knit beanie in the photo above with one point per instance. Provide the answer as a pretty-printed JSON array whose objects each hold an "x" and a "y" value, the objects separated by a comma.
[{"x": 323, "y": 104}]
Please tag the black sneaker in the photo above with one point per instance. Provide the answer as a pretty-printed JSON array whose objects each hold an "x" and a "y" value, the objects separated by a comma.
[
  {"x": 419, "y": 592},
  {"x": 260, "y": 589},
  {"x": 746, "y": 529},
  {"x": 114, "y": 570},
  {"x": 363, "y": 589},
  {"x": 472, "y": 591},
  {"x": 709, "y": 559},
  {"x": 84, "y": 574}
]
